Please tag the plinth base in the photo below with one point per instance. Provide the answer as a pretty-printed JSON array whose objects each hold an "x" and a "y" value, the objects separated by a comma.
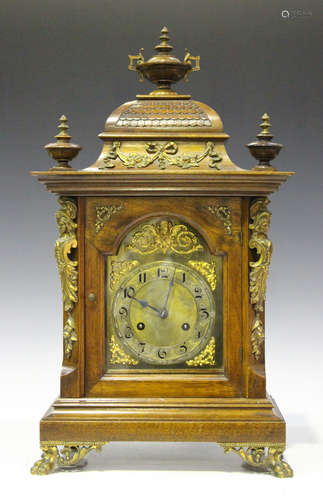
[{"x": 252, "y": 428}]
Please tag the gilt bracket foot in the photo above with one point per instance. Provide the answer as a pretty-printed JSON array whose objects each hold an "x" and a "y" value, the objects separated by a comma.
[
  {"x": 266, "y": 459},
  {"x": 63, "y": 456}
]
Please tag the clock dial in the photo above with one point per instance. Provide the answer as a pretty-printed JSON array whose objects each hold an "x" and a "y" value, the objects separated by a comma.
[{"x": 164, "y": 313}]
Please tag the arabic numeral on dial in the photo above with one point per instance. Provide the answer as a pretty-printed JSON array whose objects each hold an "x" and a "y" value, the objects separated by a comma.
[
  {"x": 123, "y": 312},
  {"x": 183, "y": 348},
  {"x": 198, "y": 292},
  {"x": 162, "y": 272},
  {"x": 162, "y": 353},
  {"x": 129, "y": 292},
  {"x": 142, "y": 346},
  {"x": 128, "y": 333},
  {"x": 142, "y": 277},
  {"x": 199, "y": 335},
  {"x": 183, "y": 277},
  {"x": 203, "y": 313}
]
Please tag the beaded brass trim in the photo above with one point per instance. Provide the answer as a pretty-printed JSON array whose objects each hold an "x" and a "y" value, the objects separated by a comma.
[
  {"x": 67, "y": 267},
  {"x": 165, "y": 154}
]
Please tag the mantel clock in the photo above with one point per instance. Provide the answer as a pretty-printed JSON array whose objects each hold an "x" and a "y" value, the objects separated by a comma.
[{"x": 163, "y": 254}]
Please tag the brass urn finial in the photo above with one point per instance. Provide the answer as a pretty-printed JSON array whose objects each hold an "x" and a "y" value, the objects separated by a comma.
[
  {"x": 164, "y": 46},
  {"x": 163, "y": 69},
  {"x": 264, "y": 150},
  {"x": 63, "y": 150}
]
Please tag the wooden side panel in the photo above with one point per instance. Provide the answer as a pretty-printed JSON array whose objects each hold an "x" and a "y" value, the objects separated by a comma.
[{"x": 72, "y": 373}]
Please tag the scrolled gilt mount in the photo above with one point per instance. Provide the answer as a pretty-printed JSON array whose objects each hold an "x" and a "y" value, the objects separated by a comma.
[{"x": 163, "y": 154}]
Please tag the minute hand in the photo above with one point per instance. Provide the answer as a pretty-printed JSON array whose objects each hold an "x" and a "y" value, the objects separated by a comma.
[
  {"x": 171, "y": 284},
  {"x": 144, "y": 303}
]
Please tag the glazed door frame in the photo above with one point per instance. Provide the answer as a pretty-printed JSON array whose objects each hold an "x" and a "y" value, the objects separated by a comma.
[{"x": 104, "y": 240}]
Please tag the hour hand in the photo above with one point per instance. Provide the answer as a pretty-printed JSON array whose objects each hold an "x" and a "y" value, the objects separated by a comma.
[{"x": 144, "y": 303}]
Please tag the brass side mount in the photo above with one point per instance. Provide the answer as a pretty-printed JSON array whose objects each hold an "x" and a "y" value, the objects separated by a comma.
[{"x": 163, "y": 69}]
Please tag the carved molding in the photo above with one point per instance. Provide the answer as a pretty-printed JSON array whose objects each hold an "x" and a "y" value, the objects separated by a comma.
[
  {"x": 164, "y": 236},
  {"x": 165, "y": 154},
  {"x": 103, "y": 214},
  {"x": 119, "y": 269},
  {"x": 118, "y": 356},
  {"x": 207, "y": 270},
  {"x": 67, "y": 267},
  {"x": 224, "y": 214},
  {"x": 259, "y": 269},
  {"x": 256, "y": 456},
  {"x": 206, "y": 357},
  {"x": 69, "y": 456}
]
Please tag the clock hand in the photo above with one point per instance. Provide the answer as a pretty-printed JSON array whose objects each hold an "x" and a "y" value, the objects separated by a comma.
[
  {"x": 164, "y": 312},
  {"x": 144, "y": 303}
]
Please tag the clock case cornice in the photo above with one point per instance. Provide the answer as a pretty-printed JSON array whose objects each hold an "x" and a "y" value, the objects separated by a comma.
[{"x": 158, "y": 183}]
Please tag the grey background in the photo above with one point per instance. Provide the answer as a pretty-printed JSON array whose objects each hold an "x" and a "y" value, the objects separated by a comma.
[{"x": 71, "y": 57}]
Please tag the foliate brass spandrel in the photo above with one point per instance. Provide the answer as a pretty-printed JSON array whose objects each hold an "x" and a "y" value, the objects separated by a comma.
[
  {"x": 104, "y": 214},
  {"x": 164, "y": 154},
  {"x": 224, "y": 214},
  {"x": 70, "y": 455},
  {"x": 259, "y": 269},
  {"x": 118, "y": 356},
  {"x": 207, "y": 270},
  {"x": 267, "y": 459},
  {"x": 162, "y": 237},
  {"x": 67, "y": 267},
  {"x": 119, "y": 269},
  {"x": 206, "y": 357}
]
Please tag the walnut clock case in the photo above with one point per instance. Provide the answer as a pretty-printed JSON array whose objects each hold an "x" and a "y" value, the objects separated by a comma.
[{"x": 163, "y": 256}]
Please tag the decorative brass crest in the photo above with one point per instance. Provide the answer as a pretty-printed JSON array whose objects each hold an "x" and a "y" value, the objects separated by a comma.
[
  {"x": 224, "y": 214},
  {"x": 120, "y": 269},
  {"x": 103, "y": 214},
  {"x": 70, "y": 455},
  {"x": 256, "y": 457},
  {"x": 207, "y": 270},
  {"x": 206, "y": 357},
  {"x": 164, "y": 153},
  {"x": 67, "y": 267},
  {"x": 258, "y": 275},
  {"x": 164, "y": 236},
  {"x": 118, "y": 356}
]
